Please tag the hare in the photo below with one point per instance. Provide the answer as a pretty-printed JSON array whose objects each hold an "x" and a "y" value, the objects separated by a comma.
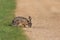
[{"x": 18, "y": 21}]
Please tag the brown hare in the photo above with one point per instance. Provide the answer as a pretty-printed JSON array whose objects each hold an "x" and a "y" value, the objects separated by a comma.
[{"x": 18, "y": 21}]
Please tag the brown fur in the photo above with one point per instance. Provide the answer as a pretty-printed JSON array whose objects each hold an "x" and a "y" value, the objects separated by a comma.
[{"x": 18, "y": 21}]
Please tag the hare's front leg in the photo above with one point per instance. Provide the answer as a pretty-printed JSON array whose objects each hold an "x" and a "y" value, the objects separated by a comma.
[{"x": 24, "y": 25}]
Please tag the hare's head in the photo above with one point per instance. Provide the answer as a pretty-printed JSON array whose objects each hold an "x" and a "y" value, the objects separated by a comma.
[{"x": 29, "y": 22}]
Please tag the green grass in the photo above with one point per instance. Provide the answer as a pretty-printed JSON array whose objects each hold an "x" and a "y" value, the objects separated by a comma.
[{"x": 7, "y": 32}]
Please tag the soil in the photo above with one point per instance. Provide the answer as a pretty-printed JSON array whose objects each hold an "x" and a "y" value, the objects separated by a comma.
[{"x": 45, "y": 18}]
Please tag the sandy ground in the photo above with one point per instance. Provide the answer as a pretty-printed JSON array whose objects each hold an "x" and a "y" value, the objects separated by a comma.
[{"x": 45, "y": 18}]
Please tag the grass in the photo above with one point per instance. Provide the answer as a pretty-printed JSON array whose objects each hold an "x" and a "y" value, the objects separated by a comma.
[{"x": 7, "y": 32}]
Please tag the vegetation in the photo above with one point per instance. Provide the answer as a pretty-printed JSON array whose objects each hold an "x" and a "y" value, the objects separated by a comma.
[{"x": 7, "y": 32}]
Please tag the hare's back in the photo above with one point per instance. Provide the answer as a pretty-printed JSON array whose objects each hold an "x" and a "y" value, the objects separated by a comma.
[{"x": 21, "y": 19}]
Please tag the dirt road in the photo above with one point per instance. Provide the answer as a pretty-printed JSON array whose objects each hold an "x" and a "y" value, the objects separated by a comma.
[{"x": 45, "y": 18}]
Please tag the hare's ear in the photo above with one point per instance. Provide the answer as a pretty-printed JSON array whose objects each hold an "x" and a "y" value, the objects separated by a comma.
[{"x": 30, "y": 17}]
